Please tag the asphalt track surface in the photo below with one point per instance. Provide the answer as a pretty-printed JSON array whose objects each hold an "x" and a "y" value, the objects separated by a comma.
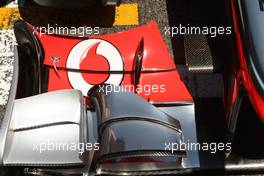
[{"x": 206, "y": 89}]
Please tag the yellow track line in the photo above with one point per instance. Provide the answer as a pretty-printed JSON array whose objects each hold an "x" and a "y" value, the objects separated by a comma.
[
  {"x": 8, "y": 16},
  {"x": 125, "y": 14}
]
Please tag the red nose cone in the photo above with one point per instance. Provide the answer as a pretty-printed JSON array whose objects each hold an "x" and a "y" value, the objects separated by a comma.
[{"x": 93, "y": 61}]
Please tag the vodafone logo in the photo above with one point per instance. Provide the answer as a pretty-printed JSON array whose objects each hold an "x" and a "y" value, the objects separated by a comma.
[{"x": 82, "y": 57}]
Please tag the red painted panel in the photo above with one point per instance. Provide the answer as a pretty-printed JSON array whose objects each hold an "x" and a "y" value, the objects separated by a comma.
[{"x": 115, "y": 52}]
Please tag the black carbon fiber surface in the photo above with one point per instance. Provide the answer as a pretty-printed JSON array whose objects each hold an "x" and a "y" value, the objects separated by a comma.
[{"x": 198, "y": 54}]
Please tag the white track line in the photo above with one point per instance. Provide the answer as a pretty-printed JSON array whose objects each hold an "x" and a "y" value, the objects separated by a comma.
[
  {"x": 12, "y": 3},
  {"x": 7, "y": 42}
]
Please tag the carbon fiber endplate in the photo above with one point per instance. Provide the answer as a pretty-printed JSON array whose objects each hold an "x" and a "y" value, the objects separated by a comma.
[{"x": 198, "y": 54}]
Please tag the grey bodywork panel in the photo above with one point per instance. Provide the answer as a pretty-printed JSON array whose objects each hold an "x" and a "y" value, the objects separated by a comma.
[
  {"x": 129, "y": 124},
  {"x": 186, "y": 115}
]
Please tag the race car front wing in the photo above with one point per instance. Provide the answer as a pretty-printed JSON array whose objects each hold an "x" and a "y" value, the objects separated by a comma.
[{"x": 47, "y": 130}]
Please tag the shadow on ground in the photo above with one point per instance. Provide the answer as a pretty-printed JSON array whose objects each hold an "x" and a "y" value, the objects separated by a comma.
[
  {"x": 89, "y": 16},
  {"x": 248, "y": 140},
  {"x": 3, "y": 3}
]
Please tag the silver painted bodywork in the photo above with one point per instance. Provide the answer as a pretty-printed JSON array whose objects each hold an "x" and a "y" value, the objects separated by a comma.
[
  {"x": 61, "y": 118},
  {"x": 41, "y": 131},
  {"x": 51, "y": 118}
]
